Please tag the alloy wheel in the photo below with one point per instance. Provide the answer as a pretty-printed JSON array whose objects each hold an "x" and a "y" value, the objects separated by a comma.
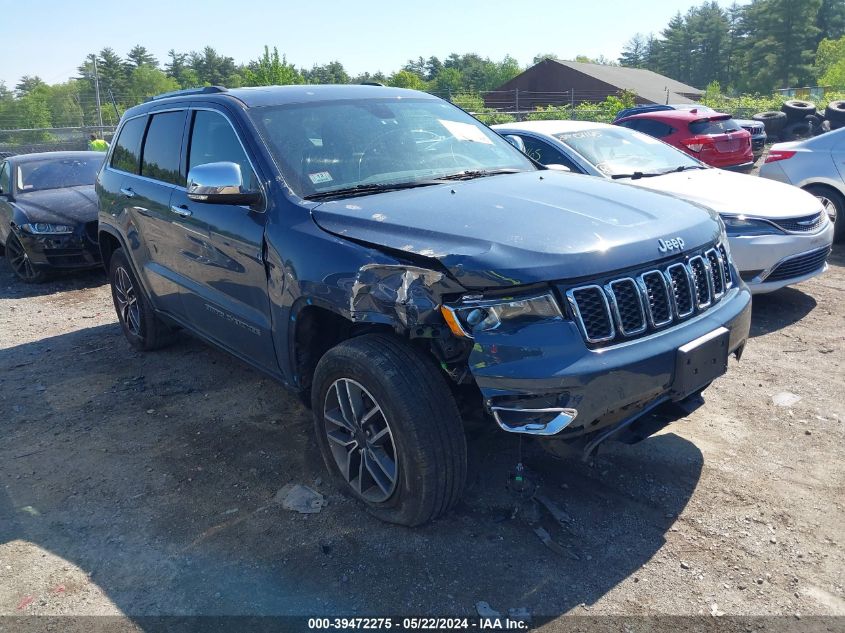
[
  {"x": 19, "y": 260},
  {"x": 127, "y": 301},
  {"x": 829, "y": 207},
  {"x": 360, "y": 440}
]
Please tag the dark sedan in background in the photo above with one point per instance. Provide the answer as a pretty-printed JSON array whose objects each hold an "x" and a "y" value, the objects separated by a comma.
[{"x": 48, "y": 212}]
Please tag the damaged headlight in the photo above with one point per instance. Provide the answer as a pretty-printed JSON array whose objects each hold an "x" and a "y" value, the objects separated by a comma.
[
  {"x": 468, "y": 317},
  {"x": 42, "y": 228}
]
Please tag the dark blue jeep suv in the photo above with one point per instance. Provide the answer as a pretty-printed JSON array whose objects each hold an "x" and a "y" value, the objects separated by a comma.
[{"x": 400, "y": 265}]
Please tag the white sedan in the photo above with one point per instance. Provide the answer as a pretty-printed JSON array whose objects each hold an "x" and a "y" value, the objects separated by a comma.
[{"x": 779, "y": 235}]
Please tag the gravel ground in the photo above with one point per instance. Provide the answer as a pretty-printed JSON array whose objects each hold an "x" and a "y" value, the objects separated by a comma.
[{"x": 143, "y": 484}]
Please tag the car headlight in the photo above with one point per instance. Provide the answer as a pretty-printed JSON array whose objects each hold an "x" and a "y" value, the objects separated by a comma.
[
  {"x": 740, "y": 225},
  {"x": 42, "y": 228},
  {"x": 466, "y": 318}
]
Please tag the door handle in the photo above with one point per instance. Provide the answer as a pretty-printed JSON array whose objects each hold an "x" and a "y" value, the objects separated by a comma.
[
  {"x": 127, "y": 191},
  {"x": 181, "y": 211}
]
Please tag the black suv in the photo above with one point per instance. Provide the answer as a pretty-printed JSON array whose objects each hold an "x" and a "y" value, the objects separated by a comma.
[{"x": 399, "y": 264}]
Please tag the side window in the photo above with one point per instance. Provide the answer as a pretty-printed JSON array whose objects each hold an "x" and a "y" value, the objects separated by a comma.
[
  {"x": 545, "y": 154},
  {"x": 652, "y": 128},
  {"x": 160, "y": 159},
  {"x": 213, "y": 140},
  {"x": 127, "y": 148},
  {"x": 5, "y": 178}
]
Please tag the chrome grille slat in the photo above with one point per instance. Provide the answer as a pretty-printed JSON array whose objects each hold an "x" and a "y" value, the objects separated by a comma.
[
  {"x": 718, "y": 271},
  {"x": 680, "y": 281},
  {"x": 703, "y": 286},
  {"x": 626, "y": 307},
  {"x": 592, "y": 311},
  {"x": 729, "y": 282},
  {"x": 658, "y": 300}
]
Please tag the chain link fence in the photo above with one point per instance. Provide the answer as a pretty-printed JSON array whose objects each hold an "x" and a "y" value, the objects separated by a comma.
[{"x": 53, "y": 139}]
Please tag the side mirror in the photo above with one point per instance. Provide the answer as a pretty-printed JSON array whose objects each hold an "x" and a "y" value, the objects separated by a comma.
[
  {"x": 516, "y": 141},
  {"x": 219, "y": 183},
  {"x": 557, "y": 167}
]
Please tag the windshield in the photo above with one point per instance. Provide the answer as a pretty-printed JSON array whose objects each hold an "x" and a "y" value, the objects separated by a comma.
[
  {"x": 339, "y": 145},
  {"x": 56, "y": 173},
  {"x": 616, "y": 150}
]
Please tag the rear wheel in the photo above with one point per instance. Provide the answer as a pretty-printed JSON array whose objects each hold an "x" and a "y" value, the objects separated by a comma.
[
  {"x": 834, "y": 205},
  {"x": 388, "y": 429},
  {"x": 19, "y": 260},
  {"x": 142, "y": 327}
]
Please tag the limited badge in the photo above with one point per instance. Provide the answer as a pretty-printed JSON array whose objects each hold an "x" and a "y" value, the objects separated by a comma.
[{"x": 320, "y": 177}]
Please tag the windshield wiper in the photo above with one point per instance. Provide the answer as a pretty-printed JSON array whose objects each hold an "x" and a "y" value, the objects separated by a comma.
[
  {"x": 363, "y": 190},
  {"x": 469, "y": 174},
  {"x": 651, "y": 174},
  {"x": 639, "y": 174},
  {"x": 685, "y": 167}
]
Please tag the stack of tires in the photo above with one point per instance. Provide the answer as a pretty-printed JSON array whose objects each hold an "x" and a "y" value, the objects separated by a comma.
[{"x": 800, "y": 119}]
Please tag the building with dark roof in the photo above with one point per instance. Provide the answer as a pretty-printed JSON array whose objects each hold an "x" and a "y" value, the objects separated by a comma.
[{"x": 558, "y": 82}]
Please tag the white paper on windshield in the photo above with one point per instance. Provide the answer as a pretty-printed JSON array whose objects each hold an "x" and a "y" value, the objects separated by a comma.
[
  {"x": 320, "y": 177},
  {"x": 465, "y": 131}
]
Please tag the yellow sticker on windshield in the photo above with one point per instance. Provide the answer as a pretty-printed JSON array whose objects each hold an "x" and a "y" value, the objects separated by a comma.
[{"x": 465, "y": 131}]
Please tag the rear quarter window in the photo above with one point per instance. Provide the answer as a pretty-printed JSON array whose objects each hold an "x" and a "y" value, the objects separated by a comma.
[
  {"x": 714, "y": 127},
  {"x": 127, "y": 147},
  {"x": 656, "y": 129}
]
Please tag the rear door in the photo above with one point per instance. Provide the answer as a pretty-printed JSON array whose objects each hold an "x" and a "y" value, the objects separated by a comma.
[
  {"x": 227, "y": 298},
  {"x": 148, "y": 194}
]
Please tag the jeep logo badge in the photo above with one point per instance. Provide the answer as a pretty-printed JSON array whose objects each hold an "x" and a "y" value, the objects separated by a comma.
[{"x": 672, "y": 244}]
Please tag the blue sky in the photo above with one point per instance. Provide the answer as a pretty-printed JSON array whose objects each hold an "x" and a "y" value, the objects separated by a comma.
[{"x": 50, "y": 38}]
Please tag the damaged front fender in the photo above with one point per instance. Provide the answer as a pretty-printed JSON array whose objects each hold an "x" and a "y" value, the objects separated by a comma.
[{"x": 400, "y": 294}]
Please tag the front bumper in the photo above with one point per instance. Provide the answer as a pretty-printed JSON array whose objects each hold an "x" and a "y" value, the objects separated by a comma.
[
  {"x": 548, "y": 366},
  {"x": 77, "y": 250},
  {"x": 758, "y": 257}
]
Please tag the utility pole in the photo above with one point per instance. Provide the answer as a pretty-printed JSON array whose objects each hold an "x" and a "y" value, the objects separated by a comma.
[{"x": 97, "y": 94}]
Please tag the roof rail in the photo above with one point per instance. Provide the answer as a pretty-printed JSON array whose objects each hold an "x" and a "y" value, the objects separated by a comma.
[
  {"x": 205, "y": 90},
  {"x": 372, "y": 83}
]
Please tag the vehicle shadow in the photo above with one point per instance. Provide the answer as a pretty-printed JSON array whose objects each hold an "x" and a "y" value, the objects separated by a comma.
[
  {"x": 776, "y": 310},
  {"x": 156, "y": 474},
  {"x": 13, "y": 288}
]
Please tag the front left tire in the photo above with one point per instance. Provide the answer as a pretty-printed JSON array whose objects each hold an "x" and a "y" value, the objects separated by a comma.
[
  {"x": 20, "y": 263},
  {"x": 389, "y": 429}
]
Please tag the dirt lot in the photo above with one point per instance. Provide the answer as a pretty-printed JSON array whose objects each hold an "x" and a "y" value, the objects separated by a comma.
[{"x": 143, "y": 484}]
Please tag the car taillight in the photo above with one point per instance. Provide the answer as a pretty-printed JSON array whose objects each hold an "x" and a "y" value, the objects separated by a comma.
[
  {"x": 779, "y": 154},
  {"x": 697, "y": 143}
]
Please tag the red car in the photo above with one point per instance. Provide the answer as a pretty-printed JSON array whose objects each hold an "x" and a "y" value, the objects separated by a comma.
[{"x": 712, "y": 138}]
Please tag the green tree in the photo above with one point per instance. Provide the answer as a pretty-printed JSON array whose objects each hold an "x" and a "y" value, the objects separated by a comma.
[
  {"x": 830, "y": 63},
  {"x": 146, "y": 81},
  {"x": 28, "y": 84},
  {"x": 331, "y": 73},
  {"x": 211, "y": 68},
  {"x": 64, "y": 104},
  {"x": 406, "y": 79},
  {"x": 448, "y": 81},
  {"x": 784, "y": 43},
  {"x": 271, "y": 70},
  {"x": 634, "y": 52},
  {"x": 543, "y": 57},
  {"x": 140, "y": 56},
  {"x": 831, "y": 19}
]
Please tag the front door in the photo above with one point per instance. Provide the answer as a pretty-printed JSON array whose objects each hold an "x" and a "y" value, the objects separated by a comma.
[{"x": 227, "y": 299}]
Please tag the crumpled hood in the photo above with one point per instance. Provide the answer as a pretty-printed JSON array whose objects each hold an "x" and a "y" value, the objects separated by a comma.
[
  {"x": 522, "y": 228},
  {"x": 735, "y": 194},
  {"x": 70, "y": 205}
]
